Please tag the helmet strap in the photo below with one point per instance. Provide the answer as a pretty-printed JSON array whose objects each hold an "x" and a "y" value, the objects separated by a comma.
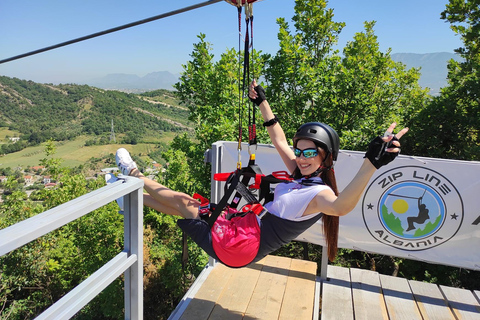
[{"x": 317, "y": 172}]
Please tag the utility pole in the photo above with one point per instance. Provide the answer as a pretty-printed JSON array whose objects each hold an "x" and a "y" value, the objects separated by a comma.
[{"x": 112, "y": 134}]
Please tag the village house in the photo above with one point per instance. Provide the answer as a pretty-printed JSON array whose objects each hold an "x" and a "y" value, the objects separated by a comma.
[
  {"x": 37, "y": 168},
  {"x": 28, "y": 179}
]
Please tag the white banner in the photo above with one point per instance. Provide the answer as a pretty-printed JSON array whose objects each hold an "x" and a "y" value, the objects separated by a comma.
[{"x": 418, "y": 208}]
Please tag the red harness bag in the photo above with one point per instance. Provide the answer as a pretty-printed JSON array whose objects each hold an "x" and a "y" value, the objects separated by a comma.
[{"x": 236, "y": 241}]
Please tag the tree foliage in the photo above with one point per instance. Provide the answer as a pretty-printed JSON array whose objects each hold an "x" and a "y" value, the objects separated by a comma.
[
  {"x": 448, "y": 126},
  {"x": 357, "y": 93},
  {"x": 36, "y": 275}
]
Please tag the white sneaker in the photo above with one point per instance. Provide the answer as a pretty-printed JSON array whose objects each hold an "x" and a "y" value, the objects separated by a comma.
[
  {"x": 111, "y": 178},
  {"x": 124, "y": 161}
]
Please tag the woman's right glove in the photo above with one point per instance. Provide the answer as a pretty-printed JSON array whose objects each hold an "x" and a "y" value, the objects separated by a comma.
[
  {"x": 377, "y": 151},
  {"x": 260, "y": 95}
]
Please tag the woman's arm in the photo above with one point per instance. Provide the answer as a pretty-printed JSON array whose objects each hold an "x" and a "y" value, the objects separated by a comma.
[
  {"x": 328, "y": 203},
  {"x": 275, "y": 131}
]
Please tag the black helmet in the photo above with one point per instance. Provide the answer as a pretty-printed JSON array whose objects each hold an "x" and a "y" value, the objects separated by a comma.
[{"x": 320, "y": 133}]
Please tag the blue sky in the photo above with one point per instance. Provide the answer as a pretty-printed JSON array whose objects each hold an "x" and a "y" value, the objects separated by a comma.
[{"x": 412, "y": 26}]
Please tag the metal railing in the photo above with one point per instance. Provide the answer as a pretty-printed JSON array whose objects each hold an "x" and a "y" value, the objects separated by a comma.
[{"x": 129, "y": 261}]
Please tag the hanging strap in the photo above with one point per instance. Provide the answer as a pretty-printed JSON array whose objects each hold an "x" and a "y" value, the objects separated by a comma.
[
  {"x": 259, "y": 178},
  {"x": 243, "y": 87},
  {"x": 240, "y": 125},
  {"x": 252, "y": 129},
  {"x": 248, "y": 172},
  {"x": 276, "y": 177},
  {"x": 223, "y": 202}
]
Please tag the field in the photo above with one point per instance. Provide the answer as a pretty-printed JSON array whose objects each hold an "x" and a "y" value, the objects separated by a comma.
[
  {"x": 4, "y": 133},
  {"x": 74, "y": 153}
]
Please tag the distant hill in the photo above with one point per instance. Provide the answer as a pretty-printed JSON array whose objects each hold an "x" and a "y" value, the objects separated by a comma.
[
  {"x": 43, "y": 111},
  {"x": 433, "y": 67},
  {"x": 134, "y": 83}
]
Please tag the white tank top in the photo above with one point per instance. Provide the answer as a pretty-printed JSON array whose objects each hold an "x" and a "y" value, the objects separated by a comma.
[{"x": 292, "y": 198}]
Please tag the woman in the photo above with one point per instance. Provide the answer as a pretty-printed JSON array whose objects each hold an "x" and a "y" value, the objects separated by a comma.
[{"x": 296, "y": 206}]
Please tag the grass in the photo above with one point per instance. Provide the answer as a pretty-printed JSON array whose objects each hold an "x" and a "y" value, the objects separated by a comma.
[{"x": 4, "y": 133}]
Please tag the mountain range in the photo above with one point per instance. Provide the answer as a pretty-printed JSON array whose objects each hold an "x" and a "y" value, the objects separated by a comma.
[
  {"x": 134, "y": 83},
  {"x": 433, "y": 69}
]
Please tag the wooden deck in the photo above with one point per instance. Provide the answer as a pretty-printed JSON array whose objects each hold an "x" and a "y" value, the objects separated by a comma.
[
  {"x": 283, "y": 288},
  {"x": 274, "y": 288},
  {"x": 363, "y": 294}
]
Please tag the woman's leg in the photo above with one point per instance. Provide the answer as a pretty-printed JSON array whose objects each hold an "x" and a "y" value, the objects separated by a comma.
[
  {"x": 167, "y": 200},
  {"x": 160, "y": 197}
]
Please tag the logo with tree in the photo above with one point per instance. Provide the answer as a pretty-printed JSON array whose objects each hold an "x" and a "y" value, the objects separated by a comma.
[{"x": 412, "y": 208}]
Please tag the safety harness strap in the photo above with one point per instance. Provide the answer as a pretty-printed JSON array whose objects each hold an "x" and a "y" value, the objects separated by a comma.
[{"x": 223, "y": 202}]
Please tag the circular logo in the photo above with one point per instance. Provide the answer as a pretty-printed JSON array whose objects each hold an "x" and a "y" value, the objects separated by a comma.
[{"x": 412, "y": 208}]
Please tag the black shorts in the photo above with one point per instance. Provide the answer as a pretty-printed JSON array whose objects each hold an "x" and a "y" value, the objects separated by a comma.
[
  {"x": 199, "y": 231},
  {"x": 275, "y": 232}
]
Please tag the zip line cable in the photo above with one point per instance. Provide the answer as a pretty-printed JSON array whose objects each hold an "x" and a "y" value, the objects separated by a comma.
[
  {"x": 408, "y": 197},
  {"x": 401, "y": 196},
  {"x": 101, "y": 33}
]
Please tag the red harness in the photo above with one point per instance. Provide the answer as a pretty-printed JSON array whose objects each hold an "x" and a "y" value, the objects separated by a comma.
[{"x": 236, "y": 233}]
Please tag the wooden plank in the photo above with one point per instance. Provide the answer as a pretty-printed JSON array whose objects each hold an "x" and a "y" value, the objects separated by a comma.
[
  {"x": 399, "y": 299},
  {"x": 237, "y": 293},
  {"x": 268, "y": 295},
  {"x": 368, "y": 302},
  {"x": 430, "y": 301},
  {"x": 300, "y": 292},
  {"x": 463, "y": 303},
  {"x": 202, "y": 305},
  {"x": 337, "y": 295}
]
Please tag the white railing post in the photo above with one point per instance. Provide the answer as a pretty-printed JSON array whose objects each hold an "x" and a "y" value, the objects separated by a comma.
[
  {"x": 324, "y": 266},
  {"x": 133, "y": 241}
]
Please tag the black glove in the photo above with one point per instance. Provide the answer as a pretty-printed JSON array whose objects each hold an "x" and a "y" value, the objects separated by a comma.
[
  {"x": 260, "y": 95},
  {"x": 377, "y": 154}
]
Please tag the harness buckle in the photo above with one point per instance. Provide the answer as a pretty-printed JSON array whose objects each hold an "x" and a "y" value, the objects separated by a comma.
[
  {"x": 256, "y": 208},
  {"x": 205, "y": 208}
]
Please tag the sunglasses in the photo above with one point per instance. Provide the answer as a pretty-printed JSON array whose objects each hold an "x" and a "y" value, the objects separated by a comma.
[{"x": 307, "y": 153}]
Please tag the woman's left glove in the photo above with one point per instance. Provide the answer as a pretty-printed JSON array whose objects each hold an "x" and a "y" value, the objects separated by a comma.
[{"x": 377, "y": 151}]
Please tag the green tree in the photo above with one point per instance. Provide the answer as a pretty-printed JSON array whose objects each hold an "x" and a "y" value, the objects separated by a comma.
[
  {"x": 307, "y": 80},
  {"x": 52, "y": 164},
  {"x": 210, "y": 90},
  {"x": 39, "y": 273},
  {"x": 448, "y": 126},
  {"x": 357, "y": 94}
]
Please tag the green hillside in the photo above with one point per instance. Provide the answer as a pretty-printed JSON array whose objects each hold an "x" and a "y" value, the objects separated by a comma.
[
  {"x": 79, "y": 118},
  {"x": 64, "y": 111}
]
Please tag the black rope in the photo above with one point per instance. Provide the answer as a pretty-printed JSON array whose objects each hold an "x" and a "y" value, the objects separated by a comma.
[
  {"x": 252, "y": 120},
  {"x": 246, "y": 71},
  {"x": 101, "y": 33},
  {"x": 240, "y": 123}
]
